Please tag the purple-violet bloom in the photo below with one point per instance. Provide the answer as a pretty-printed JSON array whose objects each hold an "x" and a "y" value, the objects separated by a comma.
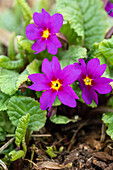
[
  {"x": 108, "y": 8},
  {"x": 44, "y": 32},
  {"x": 90, "y": 80},
  {"x": 55, "y": 82}
]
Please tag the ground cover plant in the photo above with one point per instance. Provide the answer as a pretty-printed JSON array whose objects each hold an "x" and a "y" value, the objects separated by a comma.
[{"x": 56, "y": 85}]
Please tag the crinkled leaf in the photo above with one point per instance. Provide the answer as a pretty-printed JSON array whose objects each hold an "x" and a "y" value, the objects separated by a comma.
[
  {"x": 22, "y": 78},
  {"x": 6, "y": 63},
  {"x": 24, "y": 44},
  {"x": 86, "y": 17},
  {"x": 21, "y": 129},
  {"x": 8, "y": 81},
  {"x": 108, "y": 120},
  {"x": 19, "y": 106},
  {"x": 11, "y": 80},
  {"x": 71, "y": 12},
  {"x": 16, "y": 155},
  {"x": 68, "y": 32},
  {"x": 5, "y": 123},
  {"x": 4, "y": 99},
  {"x": 94, "y": 21},
  {"x": 26, "y": 10},
  {"x": 106, "y": 48},
  {"x": 2, "y": 134},
  {"x": 72, "y": 55},
  {"x": 34, "y": 67},
  {"x": 60, "y": 119}
]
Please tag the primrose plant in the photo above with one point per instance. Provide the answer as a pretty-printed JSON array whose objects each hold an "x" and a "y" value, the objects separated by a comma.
[{"x": 32, "y": 80}]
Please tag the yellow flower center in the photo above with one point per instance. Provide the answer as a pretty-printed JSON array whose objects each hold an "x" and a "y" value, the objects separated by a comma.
[
  {"x": 45, "y": 33},
  {"x": 87, "y": 81},
  {"x": 56, "y": 85}
]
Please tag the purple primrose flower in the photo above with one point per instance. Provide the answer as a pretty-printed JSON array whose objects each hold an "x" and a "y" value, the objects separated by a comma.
[
  {"x": 44, "y": 32},
  {"x": 90, "y": 80},
  {"x": 109, "y": 8},
  {"x": 55, "y": 82}
]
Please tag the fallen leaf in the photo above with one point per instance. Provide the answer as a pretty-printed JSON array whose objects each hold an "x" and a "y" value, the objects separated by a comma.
[{"x": 53, "y": 165}]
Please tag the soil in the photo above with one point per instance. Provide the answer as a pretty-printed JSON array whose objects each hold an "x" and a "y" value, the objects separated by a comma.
[{"x": 85, "y": 147}]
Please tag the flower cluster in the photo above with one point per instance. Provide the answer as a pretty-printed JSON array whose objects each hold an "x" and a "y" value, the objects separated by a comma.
[{"x": 56, "y": 82}]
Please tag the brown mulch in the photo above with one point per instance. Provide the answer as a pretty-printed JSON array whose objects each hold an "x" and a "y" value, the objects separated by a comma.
[{"x": 85, "y": 147}]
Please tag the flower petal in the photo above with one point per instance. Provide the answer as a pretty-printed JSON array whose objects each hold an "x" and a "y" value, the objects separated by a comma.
[
  {"x": 67, "y": 97},
  {"x": 108, "y": 7},
  {"x": 56, "y": 23},
  {"x": 53, "y": 44},
  {"x": 46, "y": 18},
  {"x": 77, "y": 66},
  {"x": 102, "y": 80},
  {"x": 39, "y": 87},
  {"x": 56, "y": 68},
  {"x": 38, "y": 46},
  {"x": 70, "y": 91},
  {"x": 69, "y": 74},
  {"x": 38, "y": 78},
  {"x": 47, "y": 69},
  {"x": 83, "y": 66},
  {"x": 81, "y": 83},
  {"x": 92, "y": 65},
  {"x": 40, "y": 82},
  {"x": 32, "y": 32},
  {"x": 47, "y": 99},
  {"x": 102, "y": 88},
  {"x": 99, "y": 71},
  {"x": 37, "y": 17},
  {"x": 42, "y": 19},
  {"x": 88, "y": 94}
]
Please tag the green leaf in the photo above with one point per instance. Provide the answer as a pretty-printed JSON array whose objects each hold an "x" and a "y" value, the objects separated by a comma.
[
  {"x": 22, "y": 78},
  {"x": 21, "y": 129},
  {"x": 18, "y": 106},
  {"x": 57, "y": 102},
  {"x": 106, "y": 48},
  {"x": 87, "y": 18},
  {"x": 4, "y": 99},
  {"x": 8, "y": 81},
  {"x": 108, "y": 120},
  {"x": 94, "y": 21},
  {"x": 60, "y": 119},
  {"x": 50, "y": 152},
  {"x": 103, "y": 51},
  {"x": 16, "y": 155},
  {"x": 11, "y": 49},
  {"x": 34, "y": 67},
  {"x": 68, "y": 32},
  {"x": 26, "y": 10},
  {"x": 24, "y": 44},
  {"x": 2, "y": 134},
  {"x": 6, "y": 63},
  {"x": 5, "y": 123},
  {"x": 71, "y": 13},
  {"x": 9, "y": 21},
  {"x": 111, "y": 1},
  {"x": 72, "y": 55},
  {"x": 11, "y": 80}
]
